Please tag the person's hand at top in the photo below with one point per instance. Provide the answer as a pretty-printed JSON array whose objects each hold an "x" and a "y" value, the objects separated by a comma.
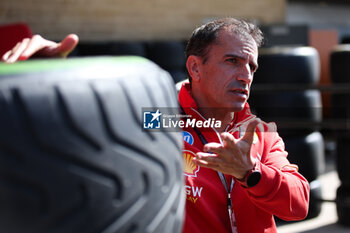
[{"x": 40, "y": 47}]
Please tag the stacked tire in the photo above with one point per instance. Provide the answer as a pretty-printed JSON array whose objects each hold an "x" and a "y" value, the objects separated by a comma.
[
  {"x": 112, "y": 48},
  {"x": 73, "y": 154},
  {"x": 340, "y": 74},
  {"x": 170, "y": 55},
  {"x": 280, "y": 94}
]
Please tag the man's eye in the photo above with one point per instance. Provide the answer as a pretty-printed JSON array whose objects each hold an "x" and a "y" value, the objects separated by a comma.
[
  {"x": 232, "y": 60},
  {"x": 252, "y": 68}
]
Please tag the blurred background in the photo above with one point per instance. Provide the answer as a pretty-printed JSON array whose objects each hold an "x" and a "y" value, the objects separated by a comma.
[{"x": 302, "y": 83}]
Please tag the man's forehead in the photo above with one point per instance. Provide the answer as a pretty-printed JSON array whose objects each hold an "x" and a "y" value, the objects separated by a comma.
[
  {"x": 241, "y": 44},
  {"x": 237, "y": 35}
]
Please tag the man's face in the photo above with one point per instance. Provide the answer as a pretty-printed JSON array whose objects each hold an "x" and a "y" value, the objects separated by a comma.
[{"x": 226, "y": 76}]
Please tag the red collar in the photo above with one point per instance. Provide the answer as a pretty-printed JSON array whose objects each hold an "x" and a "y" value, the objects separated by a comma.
[{"x": 190, "y": 107}]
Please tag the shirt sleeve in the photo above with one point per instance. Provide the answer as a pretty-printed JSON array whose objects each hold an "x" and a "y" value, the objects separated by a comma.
[{"x": 282, "y": 190}]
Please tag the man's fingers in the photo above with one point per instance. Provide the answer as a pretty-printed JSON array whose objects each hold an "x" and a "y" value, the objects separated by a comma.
[
  {"x": 61, "y": 49},
  {"x": 206, "y": 159},
  {"x": 68, "y": 44},
  {"x": 6, "y": 56},
  {"x": 212, "y": 147},
  {"x": 39, "y": 46},
  {"x": 9, "y": 53},
  {"x": 249, "y": 134},
  {"x": 227, "y": 139},
  {"x": 36, "y": 44},
  {"x": 17, "y": 51},
  {"x": 203, "y": 155}
]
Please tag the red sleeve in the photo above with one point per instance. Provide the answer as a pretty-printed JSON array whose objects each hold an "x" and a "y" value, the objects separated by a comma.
[{"x": 282, "y": 190}]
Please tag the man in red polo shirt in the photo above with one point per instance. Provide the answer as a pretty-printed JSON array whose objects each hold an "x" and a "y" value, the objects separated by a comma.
[{"x": 237, "y": 174}]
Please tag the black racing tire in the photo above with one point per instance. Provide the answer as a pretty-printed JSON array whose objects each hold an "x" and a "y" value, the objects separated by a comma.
[
  {"x": 315, "y": 203},
  {"x": 170, "y": 55},
  {"x": 286, "y": 65},
  {"x": 308, "y": 152},
  {"x": 93, "y": 48},
  {"x": 73, "y": 155},
  {"x": 133, "y": 48},
  {"x": 285, "y": 35},
  {"x": 343, "y": 158},
  {"x": 289, "y": 108},
  {"x": 340, "y": 107},
  {"x": 178, "y": 75},
  {"x": 345, "y": 40},
  {"x": 339, "y": 64},
  {"x": 343, "y": 204}
]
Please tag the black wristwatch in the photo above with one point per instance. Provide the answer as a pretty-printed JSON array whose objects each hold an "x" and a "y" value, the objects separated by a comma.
[{"x": 252, "y": 178}]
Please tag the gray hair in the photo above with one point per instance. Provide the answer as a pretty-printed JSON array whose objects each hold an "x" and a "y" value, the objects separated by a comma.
[{"x": 207, "y": 34}]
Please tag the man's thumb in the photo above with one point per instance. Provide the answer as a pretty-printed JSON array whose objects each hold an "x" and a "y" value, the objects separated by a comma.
[{"x": 249, "y": 134}]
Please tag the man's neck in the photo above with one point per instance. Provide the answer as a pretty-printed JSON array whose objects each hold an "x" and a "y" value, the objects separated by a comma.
[{"x": 223, "y": 115}]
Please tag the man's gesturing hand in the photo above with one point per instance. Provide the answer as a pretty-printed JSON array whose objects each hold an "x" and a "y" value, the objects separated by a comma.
[
  {"x": 233, "y": 157},
  {"x": 39, "y": 46}
]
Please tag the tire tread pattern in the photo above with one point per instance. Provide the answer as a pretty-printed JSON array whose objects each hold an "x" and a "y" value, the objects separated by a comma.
[{"x": 73, "y": 157}]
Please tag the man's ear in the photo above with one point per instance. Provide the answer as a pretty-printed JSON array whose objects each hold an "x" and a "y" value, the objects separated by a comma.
[{"x": 193, "y": 67}]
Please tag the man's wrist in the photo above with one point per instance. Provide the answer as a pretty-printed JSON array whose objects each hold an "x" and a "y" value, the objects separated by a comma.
[{"x": 252, "y": 177}]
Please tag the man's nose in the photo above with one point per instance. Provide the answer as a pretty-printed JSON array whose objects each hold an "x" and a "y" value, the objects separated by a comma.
[{"x": 245, "y": 74}]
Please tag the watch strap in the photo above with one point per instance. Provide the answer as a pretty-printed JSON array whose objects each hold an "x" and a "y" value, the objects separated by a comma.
[{"x": 252, "y": 177}]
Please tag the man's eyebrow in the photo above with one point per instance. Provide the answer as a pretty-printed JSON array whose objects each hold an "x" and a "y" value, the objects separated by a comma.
[
  {"x": 234, "y": 55},
  {"x": 231, "y": 55}
]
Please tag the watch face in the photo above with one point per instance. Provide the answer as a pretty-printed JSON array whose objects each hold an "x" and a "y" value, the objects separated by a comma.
[{"x": 254, "y": 178}]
